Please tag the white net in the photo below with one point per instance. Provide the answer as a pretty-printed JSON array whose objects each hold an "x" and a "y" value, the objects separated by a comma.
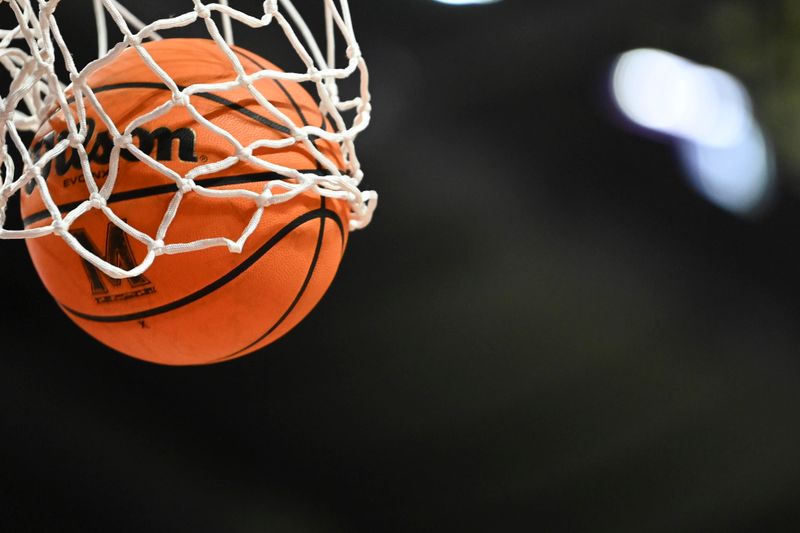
[{"x": 35, "y": 49}]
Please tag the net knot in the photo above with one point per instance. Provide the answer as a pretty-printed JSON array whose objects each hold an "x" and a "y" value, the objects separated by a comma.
[
  {"x": 158, "y": 247},
  {"x": 47, "y": 57},
  {"x": 353, "y": 51},
  {"x": 187, "y": 186},
  {"x": 244, "y": 153},
  {"x": 76, "y": 139},
  {"x": 270, "y": 7},
  {"x": 202, "y": 11},
  {"x": 59, "y": 228},
  {"x": 244, "y": 80},
  {"x": 123, "y": 141},
  {"x": 264, "y": 199},
  {"x": 181, "y": 99},
  {"x": 314, "y": 75},
  {"x": 97, "y": 201}
]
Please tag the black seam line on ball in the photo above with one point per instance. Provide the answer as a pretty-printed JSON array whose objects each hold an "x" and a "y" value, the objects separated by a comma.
[
  {"x": 311, "y": 268},
  {"x": 156, "y": 190},
  {"x": 224, "y": 280},
  {"x": 313, "y": 265},
  {"x": 230, "y": 104}
]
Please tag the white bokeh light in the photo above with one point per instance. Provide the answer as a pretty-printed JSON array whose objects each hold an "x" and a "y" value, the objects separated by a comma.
[
  {"x": 663, "y": 92},
  {"x": 708, "y": 112},
  {"x": 735, "y": 177}
]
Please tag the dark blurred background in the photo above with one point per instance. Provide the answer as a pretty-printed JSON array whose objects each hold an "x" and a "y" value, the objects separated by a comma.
[{"x": 546, "y": 327}]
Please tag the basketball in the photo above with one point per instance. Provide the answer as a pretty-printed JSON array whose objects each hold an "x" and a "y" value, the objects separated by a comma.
[{"x": 204, "y": 306}]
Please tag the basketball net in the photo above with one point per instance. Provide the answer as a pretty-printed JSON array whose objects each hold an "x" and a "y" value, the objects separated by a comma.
[{"x": 28, "y": 52}]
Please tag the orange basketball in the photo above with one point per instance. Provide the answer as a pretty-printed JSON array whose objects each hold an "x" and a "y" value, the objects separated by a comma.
[{"x": 203, "y": 306}]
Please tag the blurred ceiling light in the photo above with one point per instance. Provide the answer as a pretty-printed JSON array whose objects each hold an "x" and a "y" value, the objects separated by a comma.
[
  {"x": 466, "y": 2},
  {"x": 709, "y": 112},
  {"x": 736, "y": 177},
  {"x": 663, "y": 92}
]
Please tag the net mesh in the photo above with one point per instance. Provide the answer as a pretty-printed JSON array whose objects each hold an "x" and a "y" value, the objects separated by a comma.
[{"x": 33, "y": 49}]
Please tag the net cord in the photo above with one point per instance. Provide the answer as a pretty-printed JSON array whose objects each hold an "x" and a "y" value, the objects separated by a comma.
[{"x": 28, "y": 53}]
